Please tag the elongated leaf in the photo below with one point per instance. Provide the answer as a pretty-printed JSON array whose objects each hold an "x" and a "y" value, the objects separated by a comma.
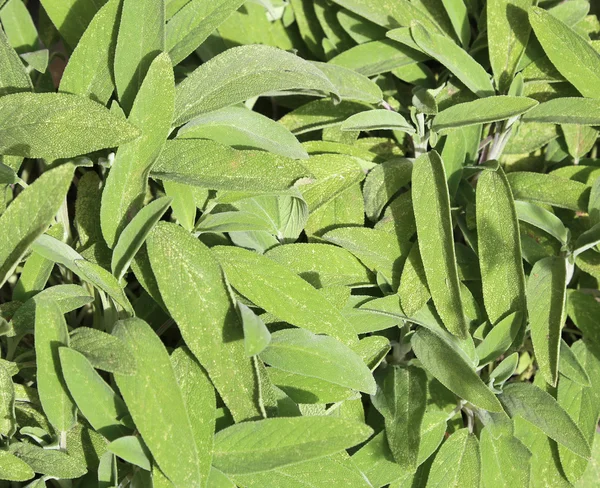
[
  {"x": 256, "y": 334},
  {"x": 318, "y": 356},
  {"x": 13, "y": 77},
  {"x": 192, "y": 287},
  {"x": 58, "y": 125},
  {"x": 567, "y": 110},
  {"x": 141, "y": 38},
  {"x": 200, "y": 402},
  {"x": 576, "y": 60},
  {"x": 103, "y": 351},
  {"x": 431, "y": 204},
  {"x": 450, "y": 369},
  {"x": 95, "y": 399},
  {"x": 134, "y": 235},
  {"x": 244, "y": 129},
  {"x": 378, "y": 120},
  {"x": 154, "y": 399},
  {"x": 350, "y": 84},
  {"x": 499, "y": 246},
  {"x": 127, "y": 181},
  {"x": 571, "y": 367},
  {"x": 206, "y": 164},
  {"x": 321, "y": 265},
  {"x": 130, "y": 449},
  {"x": 543, "y": 219},
  {"x": 242, "y": 73},
  {"x": 546, "y": 296},
  {"x": 504, "y": 459},
  {"x": 458, "y": 61},
  {"x": 14, "y": 469},
  {"x": 50, "y": 462},
  {"x": 543, "y": 411},
  {"x": 89, "y": 71},
  {"x": 491, "y": 109},
  {"x": 71, "y": 17},
  {"x": 401, "y": 400},
  {"x": 500, "y": 338},
  {"x": 8, "y": 424},
  {"x": 50, "y": 334},
  {"x": 277, "y": 290},
  {"x": 30, "y": 215},
  {"x": 457, "y": 463},
  {"x": 106, "y": 282},
  {"x": 549, "y": 189},
  {"x": 192, "y": 25},
  {"x": 508, "y": 34},
  {"x": 252, "y": 447}
]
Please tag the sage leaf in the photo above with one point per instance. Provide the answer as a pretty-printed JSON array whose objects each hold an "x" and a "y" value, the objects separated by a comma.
[
  {"x": 543, "y": 411},
  {"x": 263, "y": 445},
  {"x": 13, "y": 77},
  {"x": 450, "y": 369},
  {"x": 130, "y": 449},
  {"x": 49, "y": 462},
  {"x": 127, "y": 181},
  {"x": 350, "y": 84},
  {"x": 71, "y": 17},
  {"x": 500, "y": 338},
  {"x": 191, "y": 284},
  {"x": 256, "y": 334},
  {"x": 201, "y": 162},
  {"x": 8, "y": 424},
  {"x": 499, "y": 247},
  {"x": 567, "y": 110},
  {"x": 484, "y": 111},
  {"x": 95, "y": 399},
  {"x": 431, "y": 203},
  {"x": 277, "y": 290},
  {"x": 14, "y": 469},
  {"x": 458, "y": 462},
  {"x": 50, "y": 334},
  {"x": 242, "y": 73},
  {"x": 153, "y": 395},
  {"x": 543, "y": 219},
  {"x": 570, "y": 366},
  {"x": 302, "y": 352},
  {"x": 378, "y": 120},
  {"x": 576, "y": 60},
  {"x": 45, "y": 195},
  {"x": 141, "y": 38}
]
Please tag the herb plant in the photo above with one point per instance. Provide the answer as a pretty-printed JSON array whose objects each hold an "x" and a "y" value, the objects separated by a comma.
[{"x": 299, "y": 243}]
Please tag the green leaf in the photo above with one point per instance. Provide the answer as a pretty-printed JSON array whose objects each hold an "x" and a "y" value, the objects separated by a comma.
[
  {"x": 30, "y": 214},
  {"x": 50, "y": 334},
  {"x": 192, "y": 287},
  {"x": 263, "y": 445},
  {"x": 378, "y": 120},
  {"x": 126, "y": 184},
  {"x": 570, "y": 367},
  {"x": 106, "y": 282},
  {"x": 544, "y": 220},
  {"x": 58, "y": 125},
  {"x": 321, "y": 265},
  {"x": 508, "y": 34},
  {"x": 183, "y": 204},
  {"x": 451, "y": 369},
  {"x": 256, "y": 334},
  {"x": 141, "y": 38},
  {"x": 454, "y": 155},
  {"x": 458, "y": 61},
  {"x": 89, "y": 71},
  {"x": 431, "y": 203},
  {"x": 18, "y": 26},
  {"x": 134, "y": 235},
  {"x": 95, "y": 399},
  {"x": 500, "y": 338},
  {"x": 320, "y": 114},
  {"x": 154, "y": 399},
  {"x": 8, "y": 424},
  {"x": 350, "y": 84},
  {"x": 499, "y": 246},
  {"x": 570, "y": 53},
  {"x": 546, "y": 296},
  {"x": 401, "y": 399},
  {"x": 566, "y": 110},
  {"x": 543, "y": 411},
  {"x": 504, "y": 458},
  {"x": 200, "y": 402},
  {"x": 383, "y": 182},
  {"x": 50, "y": 462},
  {"x": 209, "y": 164},
  {"x": 490, "y": 109},
  {"x": 13, "y": 77},
  {"x": 459, "y": 17},
  {"x": 193, "y": 24},
  {"x": 131, "y": 450},
  {"x": 302, "y": 352},
  {"x": 242, "y": 73},
  {"x": 549, "y": 189},
  {"x": 241, "y": 128},
  {"x": 457, "y": 463},
  {"x": 277, "y": 290},
  {"x": 13, "y": 469},
  {"x": 377, "y": 57},
  {"x": 71, "y": 17},
  {"x": 583, "y": 310}
]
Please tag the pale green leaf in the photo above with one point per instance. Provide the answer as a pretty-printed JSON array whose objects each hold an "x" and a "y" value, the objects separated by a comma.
[
  {"x": 71, "y": 17},
  {"x": 566, "y": 110},
  {"x": 103, "y": 351},
  {"x": 500, "y": 338},
  {"x": 106, "y": 282},
  {"x": 457, "y": 463},
  {"x": 131, "y": 450},
  {"x": 18, "y": 26},
  {"x": 50, "y": 462},
  {"x": 256, "y": 335},
  {"x": 543, "y": 219},
  {"x": 13, "y": 77},
  {"x": 378, "y": 120},
  {"x": 14, "y": 469},
  {"x": 570, "y": 366},
  {"x": 350, "y": 84},
  {"x": 459, "y": 17},
  {"x": 154, "y": 399},
  {"x": 8, "y": 424}
]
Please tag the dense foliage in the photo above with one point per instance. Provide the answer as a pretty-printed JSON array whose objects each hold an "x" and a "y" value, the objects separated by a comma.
[{"x": 299, "y": 243}]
